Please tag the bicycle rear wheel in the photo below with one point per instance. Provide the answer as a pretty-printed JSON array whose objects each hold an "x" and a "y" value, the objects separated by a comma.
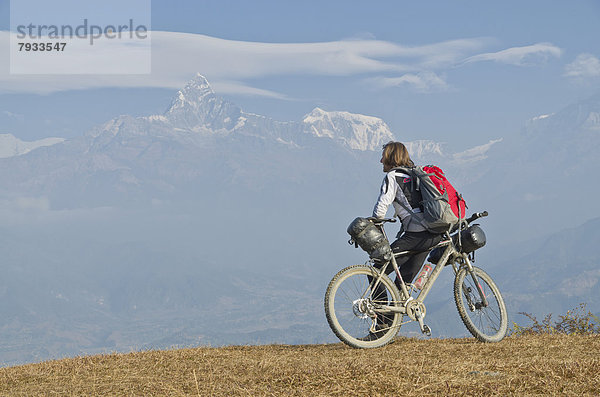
[
  {"x": 488, "y": 323},
  {"x": 355, "y": 315}
]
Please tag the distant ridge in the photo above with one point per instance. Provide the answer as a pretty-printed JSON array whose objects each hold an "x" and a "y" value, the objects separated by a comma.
[
  {"x": 12, "y": 146},
  {"x": 204, "y": 140}
]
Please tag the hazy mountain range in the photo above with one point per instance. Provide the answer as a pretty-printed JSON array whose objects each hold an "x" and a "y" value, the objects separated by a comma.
[
  {"x": 207, "y": 224},
  {"x": 201, "y": 129}
]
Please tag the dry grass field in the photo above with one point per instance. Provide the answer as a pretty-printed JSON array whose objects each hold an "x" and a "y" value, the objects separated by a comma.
[{"x": 528, "y": 365}]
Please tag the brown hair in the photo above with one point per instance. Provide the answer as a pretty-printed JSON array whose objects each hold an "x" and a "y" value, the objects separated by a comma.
[{"x": 396, "y": 155}]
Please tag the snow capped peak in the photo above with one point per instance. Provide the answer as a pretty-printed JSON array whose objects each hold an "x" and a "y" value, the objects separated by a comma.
[
  {"x": 200, "y": 76},
  {"x": 195, "y": 91},
  {"x": 356, "y": 131},
  {"x": 196, "y": 107},
  {"x": 11, "y": 146},
  {"x": 580, "y": 117},
  {"x": 541, "y": 117},
  {"x": 317, "y": 113},
  {"x": 476, "y": 153},
  {"x": 199, "y": 82},
  {"x": 422, "y": 148},
  {"x": 320, "y": 114}
]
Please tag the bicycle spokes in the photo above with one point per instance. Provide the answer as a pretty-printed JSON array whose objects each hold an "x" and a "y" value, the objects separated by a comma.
[
  {"x": 359, "y": 303},
  {"x": 480, "y": 305},
  {"x": 480, "y": 290}
]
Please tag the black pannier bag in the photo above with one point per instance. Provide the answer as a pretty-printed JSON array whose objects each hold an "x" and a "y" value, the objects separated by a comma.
[
  {"x": 364, "y": 233},
  {"x": 472, "y": 238}
]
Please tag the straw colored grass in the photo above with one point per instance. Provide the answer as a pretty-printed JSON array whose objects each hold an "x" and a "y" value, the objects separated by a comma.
[{"x": 527, "y": 365}]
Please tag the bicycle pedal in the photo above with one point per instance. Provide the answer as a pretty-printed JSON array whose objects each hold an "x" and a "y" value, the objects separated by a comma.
[{"x": 426, "y": 330}]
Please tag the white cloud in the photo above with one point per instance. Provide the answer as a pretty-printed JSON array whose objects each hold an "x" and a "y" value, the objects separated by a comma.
[
  {"x": 585, "y": 65},
  {"x": 230, "y": 65},
  {"x": 520, "y": 56},
  {"x": 424, "y": 82},
  {"x": 177, "y": 56},
  {"x": 235, "y": 87}
]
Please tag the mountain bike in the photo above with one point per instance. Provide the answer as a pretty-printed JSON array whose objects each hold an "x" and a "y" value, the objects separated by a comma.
[{"x": 365, "y": 308}]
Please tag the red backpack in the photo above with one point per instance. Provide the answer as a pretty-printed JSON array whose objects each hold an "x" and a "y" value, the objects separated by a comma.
[
  {"x": 443, "y": 207},
  {"x": 457, "y": 203}
]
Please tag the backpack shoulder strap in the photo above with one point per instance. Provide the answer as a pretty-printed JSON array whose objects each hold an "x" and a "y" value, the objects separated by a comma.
[
  {"x": 411, "y": 217},
  {"x": 413, "y": 172},
  {"x": 404, "y": 170},
  {"x": 416, "y": 173}
]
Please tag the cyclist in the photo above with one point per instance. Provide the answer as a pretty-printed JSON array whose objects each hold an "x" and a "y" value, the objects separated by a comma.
[{"x": 397, "y": 188}]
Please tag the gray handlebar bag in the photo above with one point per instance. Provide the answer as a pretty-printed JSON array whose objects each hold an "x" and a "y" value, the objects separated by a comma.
[{"x": 370, "y": 238}]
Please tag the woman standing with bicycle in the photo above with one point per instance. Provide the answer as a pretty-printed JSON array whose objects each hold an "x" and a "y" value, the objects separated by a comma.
[
  {"x": 399, "y": 190},
  {"x": 363, "y": 306}
]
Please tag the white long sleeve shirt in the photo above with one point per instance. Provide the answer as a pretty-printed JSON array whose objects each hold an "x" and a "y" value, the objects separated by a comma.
[{"x": 391, "y": 193}]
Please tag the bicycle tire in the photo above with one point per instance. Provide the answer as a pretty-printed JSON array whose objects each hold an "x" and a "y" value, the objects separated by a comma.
[
  {"x": 487, "y": 324},
  {"x": 347, "y": 322}
]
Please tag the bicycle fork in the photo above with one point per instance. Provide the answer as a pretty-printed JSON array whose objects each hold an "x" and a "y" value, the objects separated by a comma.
[{"x": 480, "y": 291}]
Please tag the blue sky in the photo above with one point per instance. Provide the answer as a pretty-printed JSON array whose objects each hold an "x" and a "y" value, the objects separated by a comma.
[{"x": 463, "y": 72}]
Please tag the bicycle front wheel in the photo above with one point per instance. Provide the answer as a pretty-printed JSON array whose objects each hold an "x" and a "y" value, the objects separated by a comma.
[
  {"x": 357, "y": 307},
  {"x": 486, "y": 319}
]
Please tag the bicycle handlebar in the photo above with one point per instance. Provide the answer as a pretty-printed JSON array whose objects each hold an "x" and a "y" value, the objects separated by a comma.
[
  {"x": 381, "y": 221},
  {"x": 476, "y": 215}
]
